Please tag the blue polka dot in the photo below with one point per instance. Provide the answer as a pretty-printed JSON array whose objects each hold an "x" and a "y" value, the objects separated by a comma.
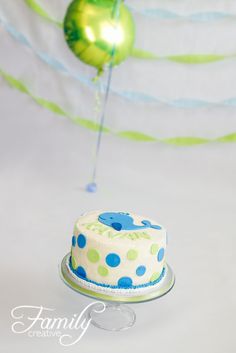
[
  {"x": 125, "y": 282},
  {"x": 81, "y": 241},
  {"x": 73, "y": 240},
  {"x": 113, "y": 260},
  {"x": 80, "y": 271},
  {"x": 140, "y": 270},
  {"x": 160, "y": 254}
]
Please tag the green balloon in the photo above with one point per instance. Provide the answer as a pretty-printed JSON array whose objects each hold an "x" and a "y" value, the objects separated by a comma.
[{"x": 95, "y": 36}]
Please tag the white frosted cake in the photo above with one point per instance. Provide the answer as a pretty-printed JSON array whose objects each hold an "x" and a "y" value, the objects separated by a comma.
[{"x": 115, "y": 252}]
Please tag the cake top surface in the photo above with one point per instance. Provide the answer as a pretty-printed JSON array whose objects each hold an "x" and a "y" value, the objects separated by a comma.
[{"x": 119, "y": 226}]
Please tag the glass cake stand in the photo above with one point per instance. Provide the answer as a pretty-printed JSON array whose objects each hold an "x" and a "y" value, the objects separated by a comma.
[{"x": 110, "y": 312}]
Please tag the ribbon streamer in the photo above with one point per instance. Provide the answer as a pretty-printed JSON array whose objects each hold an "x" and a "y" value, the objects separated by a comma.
[
  {"x": 37, "y": 8},
  {"x": 146, "y": 55},
  {"x": 130, "y": 135},
  {"x": 46, "y": 58},
  {"x": 156, "y": 13},
  {"x": 136, "y": 97},
  {"x": 162, "y": 14}
]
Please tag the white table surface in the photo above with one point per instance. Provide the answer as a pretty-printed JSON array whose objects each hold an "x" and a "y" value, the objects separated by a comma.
[{"x": 45, "y": 164}]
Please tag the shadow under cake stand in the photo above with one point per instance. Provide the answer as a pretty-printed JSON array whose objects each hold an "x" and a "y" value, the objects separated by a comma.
[{"x": 116, "y": 316}]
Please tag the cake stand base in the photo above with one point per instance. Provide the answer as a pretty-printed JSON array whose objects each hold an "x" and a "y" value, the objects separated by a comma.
[{"x": 115, "y": 317}]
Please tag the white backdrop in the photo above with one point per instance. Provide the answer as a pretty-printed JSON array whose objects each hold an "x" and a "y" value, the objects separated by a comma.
[
  {"x": 163, "y": 79},
  {"x": 46, "y": 162}
]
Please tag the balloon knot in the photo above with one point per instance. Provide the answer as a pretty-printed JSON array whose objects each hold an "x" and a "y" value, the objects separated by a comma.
[{"x": 99, "y": 74}]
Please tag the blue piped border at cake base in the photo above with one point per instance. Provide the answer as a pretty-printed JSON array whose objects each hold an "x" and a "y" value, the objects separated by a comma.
[{"x": 149, "y": 284}]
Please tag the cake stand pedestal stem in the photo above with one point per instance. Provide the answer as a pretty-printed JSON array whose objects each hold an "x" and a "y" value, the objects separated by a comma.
[{"x": 115, "y": 317}]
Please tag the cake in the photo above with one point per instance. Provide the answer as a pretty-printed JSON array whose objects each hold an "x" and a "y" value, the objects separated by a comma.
[{"x": 117, "y": 252}]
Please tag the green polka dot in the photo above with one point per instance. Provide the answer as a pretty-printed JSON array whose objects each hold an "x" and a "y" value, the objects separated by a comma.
[
  {"x": 155, "y": 276},
  {"x": 132, "y": 254},
  {"x": 74, "y": 264},
  {"x": 93, "y": 255},
  {"x": 103, "y": 271},
  {"x": 154, "y": 249}
]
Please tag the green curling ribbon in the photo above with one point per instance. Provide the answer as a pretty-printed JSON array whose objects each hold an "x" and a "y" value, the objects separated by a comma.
[
  {"x": 197, "y": 58},
  {"x": 136, "y": 136},
  {"x": 193, "y": 59},
  {"x": 91, "y": 125},
  {"x": 34, "y": 5},
  {"x": 183, "y": 58}
]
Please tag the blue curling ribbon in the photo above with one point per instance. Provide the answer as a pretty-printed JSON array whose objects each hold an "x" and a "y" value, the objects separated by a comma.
[
  {"x": 49, "y": 60},
  {"x": 162, "y": 14}
]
